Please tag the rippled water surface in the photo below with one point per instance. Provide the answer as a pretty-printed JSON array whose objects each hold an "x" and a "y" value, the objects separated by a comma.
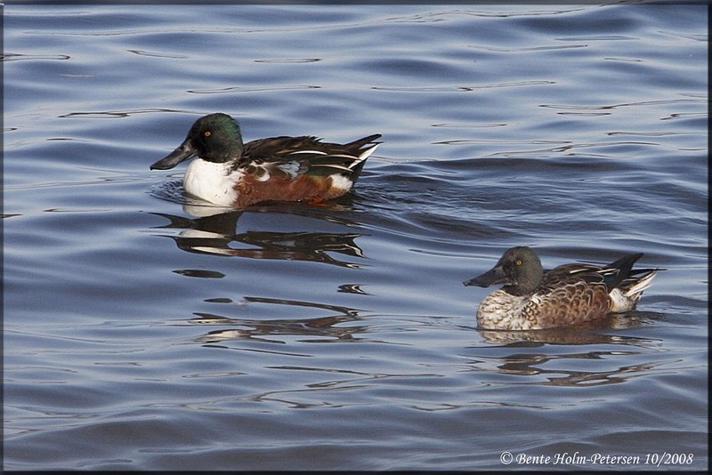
[{"x": 147, "y": 331}]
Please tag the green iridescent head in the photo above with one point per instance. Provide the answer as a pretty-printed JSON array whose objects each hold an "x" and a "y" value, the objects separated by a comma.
[{"x": 215, "y": 138}]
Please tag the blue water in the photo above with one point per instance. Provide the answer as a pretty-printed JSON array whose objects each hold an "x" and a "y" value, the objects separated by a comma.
[{"x": 144, "y": 330}]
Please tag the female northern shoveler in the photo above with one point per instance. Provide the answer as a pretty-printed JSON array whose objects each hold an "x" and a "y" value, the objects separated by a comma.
[
  {"x": 228, "y": 173},
  {"x": 533, "y": 299}
]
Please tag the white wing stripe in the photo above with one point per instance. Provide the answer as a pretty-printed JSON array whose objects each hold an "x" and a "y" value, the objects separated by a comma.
[
  {"x": 366, "y": 153},
  {"x": 327, "y": 165},
  {"x": 313, "y": 152},
  {"x": 343, "y": 155}
]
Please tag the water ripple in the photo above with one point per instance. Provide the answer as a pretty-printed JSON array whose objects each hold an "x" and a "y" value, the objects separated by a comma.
[{"x": 143, "y": 326}]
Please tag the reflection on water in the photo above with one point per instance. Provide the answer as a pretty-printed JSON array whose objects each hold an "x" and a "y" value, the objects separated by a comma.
[
  {"x": 532, "y": 364},
  {"x": 215, "y": 233},
  {"x": 324, "y": 327},
  {"x": 588, "y": 333},
  {"x": 589, "y": 337}
]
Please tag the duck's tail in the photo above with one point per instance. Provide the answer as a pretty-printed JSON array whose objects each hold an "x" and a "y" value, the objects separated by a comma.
[
  {"x": 625, "y": 297},
  {"x": 625, "y": 285},
  {"x": 630, "y": 287},
  {"x": 615, "y": 272},
  {"x": 363, "y": 148}
]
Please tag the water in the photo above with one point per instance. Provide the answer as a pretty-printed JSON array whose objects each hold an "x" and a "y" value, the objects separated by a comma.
[{"x": 147, "y": 331}]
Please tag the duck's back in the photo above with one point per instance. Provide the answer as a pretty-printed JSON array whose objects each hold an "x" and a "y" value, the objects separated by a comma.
[
  {"x": 285, "y": 147},
  {"x": 565, "y": 299},
  {"x": 276, "y": 148},
  {"x": 299, "y": 169}
]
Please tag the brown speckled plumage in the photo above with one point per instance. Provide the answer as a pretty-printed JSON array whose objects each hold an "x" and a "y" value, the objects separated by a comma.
[{"x": 568, "y": 295}]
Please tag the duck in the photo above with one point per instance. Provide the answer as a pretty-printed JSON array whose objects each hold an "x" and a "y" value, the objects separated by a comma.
[
  {"x": 534, "y": 299},
  {"x": 227, "y": 172}
]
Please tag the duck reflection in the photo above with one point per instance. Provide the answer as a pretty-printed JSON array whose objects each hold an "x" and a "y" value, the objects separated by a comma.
[
  {"x": 532, "y": 364},
  {"x": 213, "y": 234},
  {"x": 323, "y": 328},
  {"x": 588, "y": 333},
  {"x": 320, "y": 330},
  {"x": 529, "y": 363}
]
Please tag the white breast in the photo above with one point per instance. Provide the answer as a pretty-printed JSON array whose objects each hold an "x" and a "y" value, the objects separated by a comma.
[{"x": 213, "y": 182}]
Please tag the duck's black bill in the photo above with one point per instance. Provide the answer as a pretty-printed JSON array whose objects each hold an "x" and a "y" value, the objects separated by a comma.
[
  {"x": 493, "y": 276},
  {"x": 183, "y": 152}
]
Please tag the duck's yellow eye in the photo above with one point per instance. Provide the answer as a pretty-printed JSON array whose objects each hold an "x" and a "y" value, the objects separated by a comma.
[
  {"x": 518, "y": 262},
  {"x": 207, "y": 133}
]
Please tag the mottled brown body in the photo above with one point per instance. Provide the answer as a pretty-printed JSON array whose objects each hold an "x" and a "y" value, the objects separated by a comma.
[
  {"x": 570, "y": 304},
  {"x": 571, "y": 294}
]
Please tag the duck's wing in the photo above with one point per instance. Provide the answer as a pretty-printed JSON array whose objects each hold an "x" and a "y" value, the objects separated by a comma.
[
  {"x": 568, "y": 295},
  {"x": 612, "y": 275},
  {"x": 295, "y": 156},
  {"x": 573, "y": 293},
  {"x": 570, "y": 273}
]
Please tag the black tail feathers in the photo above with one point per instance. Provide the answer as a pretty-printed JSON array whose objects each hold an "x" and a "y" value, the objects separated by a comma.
[
  {"x": 360, "y": 143},
  {"x": 624, "y": 266},
  {"x": 357, "y": 147}
]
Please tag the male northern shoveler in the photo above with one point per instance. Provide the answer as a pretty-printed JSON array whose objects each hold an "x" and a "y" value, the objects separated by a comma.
[
  {"x": 533, "y": 299},
  {"x": 228, "y": 173}
]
